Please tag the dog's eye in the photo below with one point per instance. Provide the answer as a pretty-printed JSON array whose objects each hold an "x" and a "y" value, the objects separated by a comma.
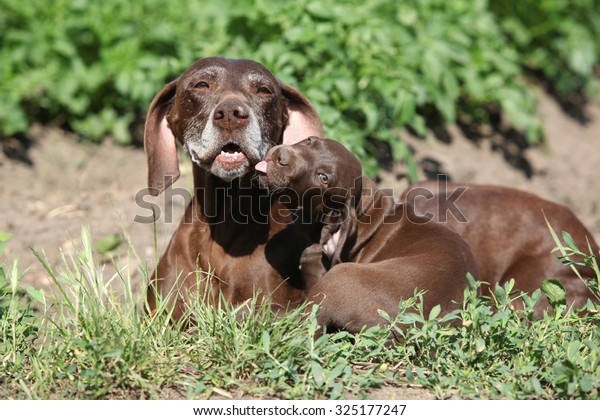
[
  {"x": 201, "y": 85},
  {"x": 263, "y": 90},
  {"x": 323, "y": 178}
]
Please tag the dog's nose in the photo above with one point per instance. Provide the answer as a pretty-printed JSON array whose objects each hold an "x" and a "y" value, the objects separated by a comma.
[{"x": 231, "y": 114}]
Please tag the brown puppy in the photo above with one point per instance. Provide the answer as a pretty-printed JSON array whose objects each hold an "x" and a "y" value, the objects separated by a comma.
[
  {"x": 507, "y": 233},
  {"x": 376, "y": 251},
  {"x": 227, "y": 114}
]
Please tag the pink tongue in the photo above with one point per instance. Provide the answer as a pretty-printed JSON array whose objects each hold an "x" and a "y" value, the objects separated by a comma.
[{"x": 261, "y": 167}]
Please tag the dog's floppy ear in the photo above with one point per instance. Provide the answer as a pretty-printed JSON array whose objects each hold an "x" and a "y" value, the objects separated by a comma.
[
  {"x": 345, "y": 219},
  {"x": 302, "y": 121},
  {"x": 159, "y": 141},
  {"x": 345, "y": 234}
]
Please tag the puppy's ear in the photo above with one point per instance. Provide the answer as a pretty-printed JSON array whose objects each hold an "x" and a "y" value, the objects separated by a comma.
[
  {"x": 302, "y": 121},
  {"x": 335, "y": 242},
  {"x": 159, "y": 141},
  {"x": 345, "y": 237}
]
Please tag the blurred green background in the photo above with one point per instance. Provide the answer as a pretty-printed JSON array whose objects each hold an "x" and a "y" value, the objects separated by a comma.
[{"x": 370, "y": 68}]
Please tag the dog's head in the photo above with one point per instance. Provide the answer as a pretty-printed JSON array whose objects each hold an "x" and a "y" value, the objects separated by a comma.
[
  {"x": 319, "y": 175},
  {"x": 227, "y": 114}
]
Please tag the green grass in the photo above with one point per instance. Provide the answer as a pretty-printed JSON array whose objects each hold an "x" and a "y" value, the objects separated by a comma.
[{"x": 91, "y": 339}]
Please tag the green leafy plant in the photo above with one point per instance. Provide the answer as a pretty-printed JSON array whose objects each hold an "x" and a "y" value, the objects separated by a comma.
[
  {"x": 371, "y": 68},
  {"x": 557, "y": 38},
  {"x": 107, "y": 244},
  {"x": 498, "y": 351},
  {"x": 572, "y": 256}
]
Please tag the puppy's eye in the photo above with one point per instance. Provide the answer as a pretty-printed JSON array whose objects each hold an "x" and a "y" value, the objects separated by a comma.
[
  {"x": 324, "y": 179},
  {"x": 263, "y": 90},
  {"x": 201, "y": 85}
]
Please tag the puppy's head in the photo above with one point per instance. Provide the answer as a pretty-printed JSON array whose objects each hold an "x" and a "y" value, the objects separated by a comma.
[
  {"x": 226, "y": 114},
  {"x": 319, "y": 175}
]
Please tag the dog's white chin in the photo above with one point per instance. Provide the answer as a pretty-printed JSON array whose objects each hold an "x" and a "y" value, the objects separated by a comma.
[{"x": 226, "y": 168}]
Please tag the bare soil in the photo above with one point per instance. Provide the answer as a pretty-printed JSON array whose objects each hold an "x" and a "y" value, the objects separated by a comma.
[{"x": 51, "y": 186}]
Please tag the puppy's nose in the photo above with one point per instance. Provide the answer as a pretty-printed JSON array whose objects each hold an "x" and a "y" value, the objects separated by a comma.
[
  {"x": 283, "y": 156},
  {"x": 231, "y": 114}
]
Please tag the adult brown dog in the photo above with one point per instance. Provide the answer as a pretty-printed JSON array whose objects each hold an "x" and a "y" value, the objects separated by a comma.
[
  {"x": 372, "y": 251},
  {"x": 507, "y": 233},
  {"x": 226, "y": 114}
]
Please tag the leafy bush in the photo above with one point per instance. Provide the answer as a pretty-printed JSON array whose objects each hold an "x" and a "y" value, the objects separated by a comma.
[
  {"x": 561, "y": 39},
  {"x": 372, "y": 67},
  {"x": 369, "y": 67}
]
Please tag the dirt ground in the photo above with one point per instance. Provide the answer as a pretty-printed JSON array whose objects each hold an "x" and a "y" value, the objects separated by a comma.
[{"x": 51, "y": 186}]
